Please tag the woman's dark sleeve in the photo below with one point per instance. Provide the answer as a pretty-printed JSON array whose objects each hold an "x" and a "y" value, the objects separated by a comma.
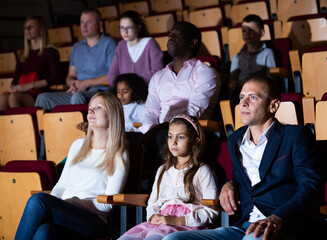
[
  {"x": 18, "y": 72},
  {"x": 54, "y": 67}
]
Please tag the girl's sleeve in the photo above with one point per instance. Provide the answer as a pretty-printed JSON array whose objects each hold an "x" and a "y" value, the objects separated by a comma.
[
  {"x": 114, "y": 67},
  {"x": 63, "y": 181},
  {"x": 205, "y": 181},
  {"x": 18, "y": 71},
  {"x": 154, "y": 205},
  {"x": 116, "y": 184}
]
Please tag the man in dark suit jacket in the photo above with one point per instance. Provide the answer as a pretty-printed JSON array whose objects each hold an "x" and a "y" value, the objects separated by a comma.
[{"x": 275, "y": 179}]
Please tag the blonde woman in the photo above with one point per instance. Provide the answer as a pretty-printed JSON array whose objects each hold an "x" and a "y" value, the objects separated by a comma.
[
  {"x": 95, "y": 165},
  {"x": 37, "y": 68}
]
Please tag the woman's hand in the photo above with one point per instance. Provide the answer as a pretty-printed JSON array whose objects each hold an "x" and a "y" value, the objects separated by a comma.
[
  {"x": 157, "y": 219},
  {"x": 22, "y": 87}
]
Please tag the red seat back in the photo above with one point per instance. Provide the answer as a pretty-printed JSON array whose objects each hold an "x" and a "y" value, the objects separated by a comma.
[
  {"x": 47, "y": 170},
  {"x": 83, "y": 108},
  {"x": 217, "y": 155}
]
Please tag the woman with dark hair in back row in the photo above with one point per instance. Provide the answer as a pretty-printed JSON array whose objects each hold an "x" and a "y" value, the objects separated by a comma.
[{"x": 137, "y": 53}]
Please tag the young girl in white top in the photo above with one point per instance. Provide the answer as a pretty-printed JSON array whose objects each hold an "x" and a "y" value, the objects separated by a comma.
[
  {"x": 137, "y": 52},
  {"x": 180, "y": 184},
  {"x": 132, "y": 91},
  {"x": 96, "y": 164}
]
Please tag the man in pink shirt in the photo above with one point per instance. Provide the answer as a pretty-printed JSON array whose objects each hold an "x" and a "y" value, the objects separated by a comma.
[{"x": 185, "y": 85}]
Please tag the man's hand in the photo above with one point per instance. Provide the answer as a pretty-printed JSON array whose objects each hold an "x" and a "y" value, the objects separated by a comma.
[
  {"x": 72, "y": 87},
  {"x": 228, "y": 198},
  {"x": 270, "y": 225},
  {"x": 157, "y": 219},
  {"x": 78, "y": 86},
  {"x": 82, "y": 85},
  {"x": 83, "y": 126}
]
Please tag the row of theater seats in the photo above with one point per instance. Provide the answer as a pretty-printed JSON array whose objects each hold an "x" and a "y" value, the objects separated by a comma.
[
  {"x": 297, "y": 37},
  {"x": 302, "y": 32},
  {"x": 303, "y": 74},
  {"x": 31, "y": 134},
  {"x": 18, "y": 179}
]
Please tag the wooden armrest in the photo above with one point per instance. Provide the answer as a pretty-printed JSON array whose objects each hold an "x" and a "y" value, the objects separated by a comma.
[
  {"x": 323, "y": 210},
  {"x": 37, "y": 191},
  {"x": 59, "y": 87},
  {"x": 125, "y": 199},
  {"x": 105, "y": 84},
  {"x": 212, "y": 203},
  {"x": 105, "y": 199},
  {"x": 212, "y": 126},
  {"x": 308, "y": 106},
  {"x": 280, "y": 72},
  {"x": 64, "y": 87},
  {"x": 295, "y": 61},
  {"x": 132, "y": 199},
  {"x": 137, "y": 125}
]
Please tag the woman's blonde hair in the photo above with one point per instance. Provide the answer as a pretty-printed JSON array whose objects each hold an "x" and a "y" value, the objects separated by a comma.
[
  {"x": 198, "y": 139},
  {"x": 116, "y": 144},
  {"x": 43, "y": 35}
]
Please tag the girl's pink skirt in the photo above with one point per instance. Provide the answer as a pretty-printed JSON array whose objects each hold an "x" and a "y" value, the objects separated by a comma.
[{"x": 147, "y": 229}]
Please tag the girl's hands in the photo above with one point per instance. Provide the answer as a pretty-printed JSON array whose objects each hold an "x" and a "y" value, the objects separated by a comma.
[
  {"x": 157, "y": 219},
  {"x": 22, "y": 87}
]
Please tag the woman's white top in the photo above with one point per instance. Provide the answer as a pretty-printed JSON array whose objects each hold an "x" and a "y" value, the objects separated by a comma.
[
  {"x": 81, "y": 183},
  {"x": 172, "y": 192},
  {"x": 136, "y": 50},
  {"x": 132, "y": 113}
]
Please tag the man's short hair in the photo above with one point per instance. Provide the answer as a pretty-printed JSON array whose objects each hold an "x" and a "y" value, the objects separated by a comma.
[
  {"x": 95, "y": 11},
  {"x": 272, "y": 86},
  {"x": 254, "y": 18},
  {"x": 192, "y": 33}
]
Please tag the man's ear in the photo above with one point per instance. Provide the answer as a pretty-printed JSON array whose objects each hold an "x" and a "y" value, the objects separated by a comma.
[
  {"x": 197, "y": 140},
  {"x": 194, "y": 42},
  {"x": 101, "y": 26},
  {"x": 262, "y": 32},
  {"x": 274, "y": 105}
]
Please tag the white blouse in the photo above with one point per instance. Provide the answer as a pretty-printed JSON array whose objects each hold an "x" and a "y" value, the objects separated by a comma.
[
  {"x": 172, "y": 192},
  {"x": 81, "y": 183},
  {"x": 132, "y": 113},
  {"x": 136, "y": 51}
]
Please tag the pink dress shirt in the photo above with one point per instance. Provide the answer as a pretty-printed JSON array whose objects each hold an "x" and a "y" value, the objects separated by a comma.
[{"x": 194, "y": 91}]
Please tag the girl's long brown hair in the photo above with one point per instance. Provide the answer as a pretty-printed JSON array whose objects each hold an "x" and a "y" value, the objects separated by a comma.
[
  {"x": 195, "y": 161},
  {"x": 116, "y": 145}
]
